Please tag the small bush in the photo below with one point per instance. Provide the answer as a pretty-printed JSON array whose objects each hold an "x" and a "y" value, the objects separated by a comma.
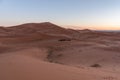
[
  {"x": 65, "y": 40},
  {"x": 96, "y": 65}
]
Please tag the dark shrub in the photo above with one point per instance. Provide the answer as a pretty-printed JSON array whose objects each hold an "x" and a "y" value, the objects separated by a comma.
[
  {"x": 96, "y": 65},
  {"x": 65, "y": 40}
]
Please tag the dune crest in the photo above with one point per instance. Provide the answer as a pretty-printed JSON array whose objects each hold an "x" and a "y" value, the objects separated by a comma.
[{"x": 45, "y": 51}]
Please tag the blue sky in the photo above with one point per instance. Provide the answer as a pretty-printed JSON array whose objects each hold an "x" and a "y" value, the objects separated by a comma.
[{"x": 94, "y": 14}]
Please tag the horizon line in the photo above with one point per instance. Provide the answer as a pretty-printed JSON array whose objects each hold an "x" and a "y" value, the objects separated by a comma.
[{"x": 76, "y": 27}]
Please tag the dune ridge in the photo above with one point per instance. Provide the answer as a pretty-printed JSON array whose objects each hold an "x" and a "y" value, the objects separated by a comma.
[{"x": 45, "y": 51}]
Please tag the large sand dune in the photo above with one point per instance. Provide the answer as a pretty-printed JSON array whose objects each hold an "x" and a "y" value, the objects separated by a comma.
[{"x": 44, "y": 51}]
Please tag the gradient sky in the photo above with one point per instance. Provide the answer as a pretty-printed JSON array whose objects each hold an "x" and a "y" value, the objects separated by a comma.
[{"x": 93, "y": 14}]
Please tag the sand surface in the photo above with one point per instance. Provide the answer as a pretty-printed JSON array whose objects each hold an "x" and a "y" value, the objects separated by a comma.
[
  {"x": 19, "y": 67},
  {"x": 44, "y": 51}
]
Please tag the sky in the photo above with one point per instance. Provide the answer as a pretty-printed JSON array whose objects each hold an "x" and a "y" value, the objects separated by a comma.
[{"x": 92, "y": 14}]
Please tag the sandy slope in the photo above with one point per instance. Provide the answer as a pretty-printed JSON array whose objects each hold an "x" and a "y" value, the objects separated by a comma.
[
  {"x": 20, "y": 67},
  {"x": 86, "y": 54}
]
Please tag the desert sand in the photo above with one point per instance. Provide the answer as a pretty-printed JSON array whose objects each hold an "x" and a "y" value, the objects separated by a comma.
[{"x": 45, "y": 51}]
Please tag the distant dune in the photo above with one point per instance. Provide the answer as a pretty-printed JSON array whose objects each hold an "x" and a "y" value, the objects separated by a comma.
[{"x": 45, "y": 51}]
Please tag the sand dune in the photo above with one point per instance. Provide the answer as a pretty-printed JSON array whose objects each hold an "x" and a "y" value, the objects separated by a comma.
[
  {"x": 45, "y": 51},
  {"x": 19, "y": 67}
]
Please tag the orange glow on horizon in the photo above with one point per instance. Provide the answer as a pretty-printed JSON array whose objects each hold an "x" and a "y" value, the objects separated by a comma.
[
  {"x": 95, "y": 27},
  {"x": 92, "y": 27}
]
